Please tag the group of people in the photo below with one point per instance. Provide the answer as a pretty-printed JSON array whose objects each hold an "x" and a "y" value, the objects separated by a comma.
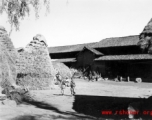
[{"x": 62, "y": 84}]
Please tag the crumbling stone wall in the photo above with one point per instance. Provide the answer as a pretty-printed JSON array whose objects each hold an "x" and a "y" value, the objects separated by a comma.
[
  {"x": 8, "y": 56},
  {"x": 34, "y": 66}
]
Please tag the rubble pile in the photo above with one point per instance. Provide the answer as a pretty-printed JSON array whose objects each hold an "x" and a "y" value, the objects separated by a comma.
[{"x": 34, "y": 66}]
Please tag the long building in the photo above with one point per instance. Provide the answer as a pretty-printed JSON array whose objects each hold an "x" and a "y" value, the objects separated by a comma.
[{"x": 111, "y": 57}]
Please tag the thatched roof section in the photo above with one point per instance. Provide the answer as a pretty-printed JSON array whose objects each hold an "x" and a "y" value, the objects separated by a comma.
[
  {"x": 108, "y": 42},
  {"x": 70, "y": 48},
  {"x": 118, "y": 41},
  {"x": 125, "y": 57},
  {"x": 64, "y": 60}
]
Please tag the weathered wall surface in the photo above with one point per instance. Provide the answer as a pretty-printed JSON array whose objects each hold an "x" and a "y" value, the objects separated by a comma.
[
  {"x": 34, "y": 66},
  {"x": 8, "y": 56}
]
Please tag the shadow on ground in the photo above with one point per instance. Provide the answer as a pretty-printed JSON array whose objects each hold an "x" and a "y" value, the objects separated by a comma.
[
  {"x": 68, "y": 115},
  {"x": 96, "y": 105},
  {"x": 92, "y": 107}
]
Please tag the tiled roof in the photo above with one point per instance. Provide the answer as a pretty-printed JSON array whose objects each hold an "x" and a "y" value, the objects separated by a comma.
[
  {"x": 126, "y": 57},
  {"x": 108, "y": 42},
  {"x": 69, "y": 48},
  {"x": 118, "y": 41}
]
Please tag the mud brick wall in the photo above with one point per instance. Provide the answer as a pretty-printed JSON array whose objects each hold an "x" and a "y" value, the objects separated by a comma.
[{"x": 34, "y": 66}]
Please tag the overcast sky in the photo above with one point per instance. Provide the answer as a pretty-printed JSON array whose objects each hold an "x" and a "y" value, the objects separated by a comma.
[{"x": 83, "y": 21}]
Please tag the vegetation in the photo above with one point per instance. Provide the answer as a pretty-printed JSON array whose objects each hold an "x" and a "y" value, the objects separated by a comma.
[{"x": 17, "y": 10}]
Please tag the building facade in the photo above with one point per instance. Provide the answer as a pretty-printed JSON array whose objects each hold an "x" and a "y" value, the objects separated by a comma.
[{"x": 111, "y": 57}]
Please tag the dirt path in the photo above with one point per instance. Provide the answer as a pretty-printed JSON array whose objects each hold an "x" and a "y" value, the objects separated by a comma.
[{"x": 51, "y": 105}]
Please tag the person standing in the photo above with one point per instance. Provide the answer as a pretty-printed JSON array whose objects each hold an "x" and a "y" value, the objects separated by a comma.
[
  {"x": 62, "y": 86},
  {"x": 72, "y": 85},
  {"x": 61, "y": 83}
]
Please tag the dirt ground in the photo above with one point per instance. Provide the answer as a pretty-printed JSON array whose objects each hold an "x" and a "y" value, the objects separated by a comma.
[{"x": 85, "y": 105}]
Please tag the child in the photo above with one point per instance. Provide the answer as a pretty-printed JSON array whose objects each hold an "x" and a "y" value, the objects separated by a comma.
[
  {"x": 72, "y": 85},
  {"x": 62, "y": 86}
]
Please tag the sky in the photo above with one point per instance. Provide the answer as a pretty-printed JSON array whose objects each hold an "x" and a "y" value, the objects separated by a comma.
[{"x": 83, "y": 21}]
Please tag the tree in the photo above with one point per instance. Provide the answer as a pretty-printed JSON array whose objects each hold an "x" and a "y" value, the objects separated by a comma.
[{"x": 17, "y": 10}]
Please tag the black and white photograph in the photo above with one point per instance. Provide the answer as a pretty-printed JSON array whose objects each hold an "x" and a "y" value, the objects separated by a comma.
[{"x": 75, "y": 59}]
